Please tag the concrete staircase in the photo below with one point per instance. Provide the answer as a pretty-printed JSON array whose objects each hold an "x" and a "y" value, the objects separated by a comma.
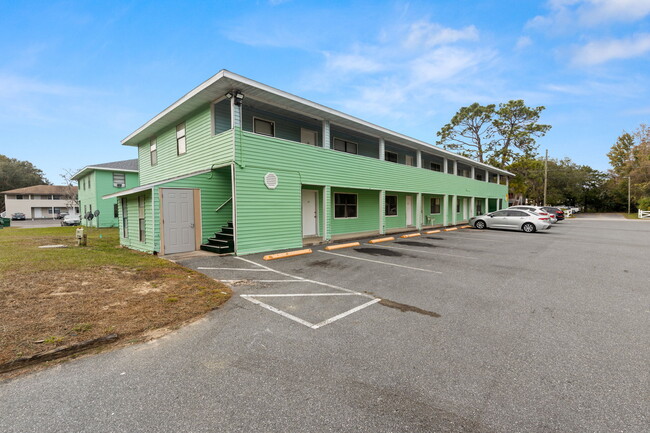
[{"x": 222, "y": 242}]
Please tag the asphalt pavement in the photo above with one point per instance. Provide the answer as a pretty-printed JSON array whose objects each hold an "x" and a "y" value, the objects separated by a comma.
[{"x": 463, "y": 331}]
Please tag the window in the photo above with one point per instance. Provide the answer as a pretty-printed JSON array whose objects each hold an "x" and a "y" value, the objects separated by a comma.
[
  {"x": 152, "y": 151},
  {"x": 390, "y": 156},
  {"x": 345, "y": 146},
  {"x": 409, "y": 160},
  {"x": 88, "y": 181},
  {"x": 517, "y": 213},
  {"x": 435, "y": 166},
  {"x": 19, "y": 196},
  {"x": 457, "y": 205},
  {"x": 116, "y": 212},
  {"x": 119, "y": 180},
  {"x": 56, "y": 197},
  {"x": 181, "y": 148},
  {"x": 264, "y": 127},
  {"x": 479, "y": 207},
  {"x": 450, "y": 167},
  {"x": 345, "y": 205},
  {"x": 125, "y": 219},
  {"x": 478, "y": 175},
  {"x": 435, "y": 205},
  {"x": 141, "y": 218},
  {"x": 309, "y": 136},
  {"x": 390, "y": 208}
]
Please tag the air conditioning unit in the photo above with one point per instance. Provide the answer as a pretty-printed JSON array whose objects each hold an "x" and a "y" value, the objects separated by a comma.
[{"x": 119, "y": 185}]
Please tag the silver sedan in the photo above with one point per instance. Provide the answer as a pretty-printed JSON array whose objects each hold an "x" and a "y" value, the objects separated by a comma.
[{"x": 512, "y": 219}]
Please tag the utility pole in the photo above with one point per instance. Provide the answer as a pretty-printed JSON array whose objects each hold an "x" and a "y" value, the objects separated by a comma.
[
  {"x": 545, "y": 175},
  {"x": 629, "y": 180}
]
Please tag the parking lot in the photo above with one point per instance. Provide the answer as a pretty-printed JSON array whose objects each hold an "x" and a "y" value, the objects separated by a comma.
[{"x": 464, "y": 330}]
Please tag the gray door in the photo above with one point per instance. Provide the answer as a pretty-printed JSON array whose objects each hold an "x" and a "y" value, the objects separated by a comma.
[{"x": 178, "y": 220}]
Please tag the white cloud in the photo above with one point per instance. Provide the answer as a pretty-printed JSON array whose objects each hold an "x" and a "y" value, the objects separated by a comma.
[
  {"x": 567, "y": 14},
  {"x": 598, "y": 52},
  {"x": 424, "y": 34},
  {"x": 523, "y": 42},
  {"x": 351, "y": 63}
]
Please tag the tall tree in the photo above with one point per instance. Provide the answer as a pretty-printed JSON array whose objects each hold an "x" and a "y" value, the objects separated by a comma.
[
  {"x": 470, "y": 132},
  {"x": 18, "y": 174},
  {"x": 516, "y": 126},
  {"x": 621, "y": 153},
  {"x": 496, "y": 136}
]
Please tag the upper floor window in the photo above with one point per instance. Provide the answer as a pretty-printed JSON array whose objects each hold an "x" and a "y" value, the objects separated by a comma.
[
  {"x": 264, "y": 127},
  {"x": 390, "y": 156},
  {"x": 345, "y": 146},
  {"x": 450, "y": 166},
  {"x": 435, "y": 166},
  {"x": 478, "y": 175},
  {"x": 152, "y": 151},
  {"x": 88, "y": 181},
  {"x": 180, "y": 139},
  {"x": 19, "y": 196},
  {"x": 119, "y": 180}
]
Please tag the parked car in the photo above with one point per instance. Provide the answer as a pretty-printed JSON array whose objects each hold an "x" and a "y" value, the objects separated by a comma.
[
  {"x": 512, "y": 219},
  {"x": 61, "y": 215},
  {"x": 71, "y": 220},
  {"x": 17, "y": 216},
  {"x": 538, "y": 210},
  {"x": 559, "y": 213}
]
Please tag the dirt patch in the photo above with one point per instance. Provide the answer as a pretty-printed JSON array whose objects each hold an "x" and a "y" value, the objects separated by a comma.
[{"x": 379, "y": 252}]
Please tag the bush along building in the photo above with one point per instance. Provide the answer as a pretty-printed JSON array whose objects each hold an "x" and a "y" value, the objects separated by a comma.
[
  {"x": 238, "y": 166},
  {"x": 98, "y": 180}
]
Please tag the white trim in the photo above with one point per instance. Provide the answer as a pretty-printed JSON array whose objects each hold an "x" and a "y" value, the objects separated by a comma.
[
  {"x": 82, "y": 172},
  {"x": 396, "y": 207},
  {"x": 161, "y": 182},
  {"x": 212, "y": 125},
  {"x": 346, "y": 142}
]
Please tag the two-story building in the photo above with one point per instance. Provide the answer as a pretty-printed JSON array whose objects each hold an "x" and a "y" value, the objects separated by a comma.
[
  {"x": 98, "y": 180},
  {"x": 41, "y": 201},
  {"x": 240, "y": 166}
]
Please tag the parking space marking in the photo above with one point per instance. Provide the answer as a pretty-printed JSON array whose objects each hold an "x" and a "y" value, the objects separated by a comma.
[
  {"x": 289, "y": 295},
  {"x": 347, "y": 313},
  {"x": 424, "y": 252},
  {"x": 262, "y": 281},
  {"x": 233, "y": 269},
  {"x": 380, "y": 262},
  {"x": 278, "y": 311}
]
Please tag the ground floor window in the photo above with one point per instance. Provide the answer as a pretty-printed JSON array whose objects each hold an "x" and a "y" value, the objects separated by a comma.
[
  {"x": 116, "y": 212},
  {"x": 479, "y": 207},
  {"x": 457, "y": 205},
  {"x": 390, "y": 208},
  {"x": 345, "y": 205},
  {"x": 435, "y": 205},
  {"x": 125, "y": 219},
  {"x": 141, "y": 218}
]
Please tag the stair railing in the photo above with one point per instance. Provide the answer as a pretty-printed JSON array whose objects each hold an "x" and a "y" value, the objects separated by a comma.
[{"x": 223, "y": 204}]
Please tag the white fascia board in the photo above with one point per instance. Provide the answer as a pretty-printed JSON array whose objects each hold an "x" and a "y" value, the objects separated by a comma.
[
  {"x": 328, "y": 113},
  {"x": 141, "y": 188},
  {"x": 81, "y": 173}
]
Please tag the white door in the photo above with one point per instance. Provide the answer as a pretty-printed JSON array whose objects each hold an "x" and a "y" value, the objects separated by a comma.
[
  {"x": 409, "y": 160},
  {"x": 308, "y": 136},
  {"x": 409, "y": 210},
  {"x": 178, "y": 220},
  {"x": 309, "y": 212},
  {"x": 465, "y": 208}
]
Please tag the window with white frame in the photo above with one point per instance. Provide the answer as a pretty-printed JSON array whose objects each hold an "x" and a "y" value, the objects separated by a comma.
[
  {"x": 435, "y": 166},
  {"x": 263, "y": 127},
  {"x": 119, "y": 180},
  {"x": 345, "y": 146},
  {"x": 435, "y": 205},
  {"x": 390, "y": 207},
  {"x": 345, "y": 205},
  {"x": 390, "y": 156},
  {"x": 153, "y": 152},
  {"x": 181, "y": 146},
  {"x": 141, "y": 213}
]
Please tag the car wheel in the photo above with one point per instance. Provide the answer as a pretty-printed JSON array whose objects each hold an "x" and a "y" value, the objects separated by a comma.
[
  {"x": 480, "y": 224},
  {"x": 528, "y": 228}
]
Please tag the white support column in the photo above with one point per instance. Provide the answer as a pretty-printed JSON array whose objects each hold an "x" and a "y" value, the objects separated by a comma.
[
  {"x": 487, "y": 205},
  {"x": 418, "y": 210},
  {"x": 507, "y": 181},
  {"x": 444, "y": 165},
  {"x": 382, "y": 149},
  {"x": 326, "y": 134},
  {"x": 419, "y": 159},
  {"x": 473, "y": 172},
  {"x": 382, "y": 212},
  {"x": 487, "y": 176},
  {"x": 454, "y": 203},
  {"x": 327, "y": 197},
  {"x": 472, "y": 207},
  {"x": 455, "y": 168},
  {"x": 445, "y": 209},
  {"x": 498, "y": 179}
]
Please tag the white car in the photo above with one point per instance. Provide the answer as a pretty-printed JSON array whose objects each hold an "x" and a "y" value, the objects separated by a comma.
[
  {"x": 513, "y": 219},
  {"x": 538, "y": 210},
  {"x": 71, "y": 220}
]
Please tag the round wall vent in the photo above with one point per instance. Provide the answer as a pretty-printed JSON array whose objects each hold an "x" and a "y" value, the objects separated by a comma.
[{"x": 271, "y": 180}]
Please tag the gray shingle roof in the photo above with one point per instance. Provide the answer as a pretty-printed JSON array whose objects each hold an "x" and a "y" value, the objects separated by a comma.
[{"x": 127, "y": 164}]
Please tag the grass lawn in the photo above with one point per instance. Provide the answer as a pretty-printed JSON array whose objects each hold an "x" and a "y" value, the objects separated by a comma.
[{"x": 54, "y": 297}]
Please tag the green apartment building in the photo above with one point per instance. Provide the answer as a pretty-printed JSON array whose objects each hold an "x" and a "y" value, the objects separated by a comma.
[
  {"x": 236, "y": 165},
  {"x": 96, "y": 181}
]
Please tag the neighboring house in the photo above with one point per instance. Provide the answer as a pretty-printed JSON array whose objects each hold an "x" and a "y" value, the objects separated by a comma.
[
  {"x": 239, "y": 166},
  {"x": 40, "y": 201},
  {"x": 96, "y": 181}
]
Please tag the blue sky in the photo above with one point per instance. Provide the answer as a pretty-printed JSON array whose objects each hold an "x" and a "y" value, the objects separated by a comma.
[{"x": 76, "y": 77}]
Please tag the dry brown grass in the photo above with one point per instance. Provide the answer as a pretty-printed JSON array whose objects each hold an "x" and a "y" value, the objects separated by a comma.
[{"x": 50, "y": 298}]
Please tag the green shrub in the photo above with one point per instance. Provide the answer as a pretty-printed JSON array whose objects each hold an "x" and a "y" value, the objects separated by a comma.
[{"x": 644, "y": 203}]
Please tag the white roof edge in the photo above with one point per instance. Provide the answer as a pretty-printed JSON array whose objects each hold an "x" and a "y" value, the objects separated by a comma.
[
  {"x": 141, "y": 188},
  {"x": 224, "y": 73},
  {"x": 90, "y": 167}
]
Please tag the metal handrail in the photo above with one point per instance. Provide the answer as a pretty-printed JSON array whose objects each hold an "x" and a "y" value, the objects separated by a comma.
[{"x": 223, "y": 204}]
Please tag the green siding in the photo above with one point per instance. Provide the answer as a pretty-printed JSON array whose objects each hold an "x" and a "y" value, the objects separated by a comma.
[
  {"x": 267, "y": 219},
  {"x": 215, "y": 190},
  {"x": 101, "y": 185},
  {"x": 133, "y": 239},
  {"x": 399, "y": 220},
  {"x": 433, "y": 218},
  {"x": 204, "y": 150},
  {"x": 367, "y": 213}
]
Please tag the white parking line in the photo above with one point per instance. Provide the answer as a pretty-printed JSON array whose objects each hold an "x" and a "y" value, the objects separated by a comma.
[
  {"x": 347, "y": 313},
  {"x": 233, "y": 269},
  {"x": 380, "y": 262},
  {"x": 424, "y": 252},
  {"x": 261, "y": 281},
  {"x": 289, "y": 295}
]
